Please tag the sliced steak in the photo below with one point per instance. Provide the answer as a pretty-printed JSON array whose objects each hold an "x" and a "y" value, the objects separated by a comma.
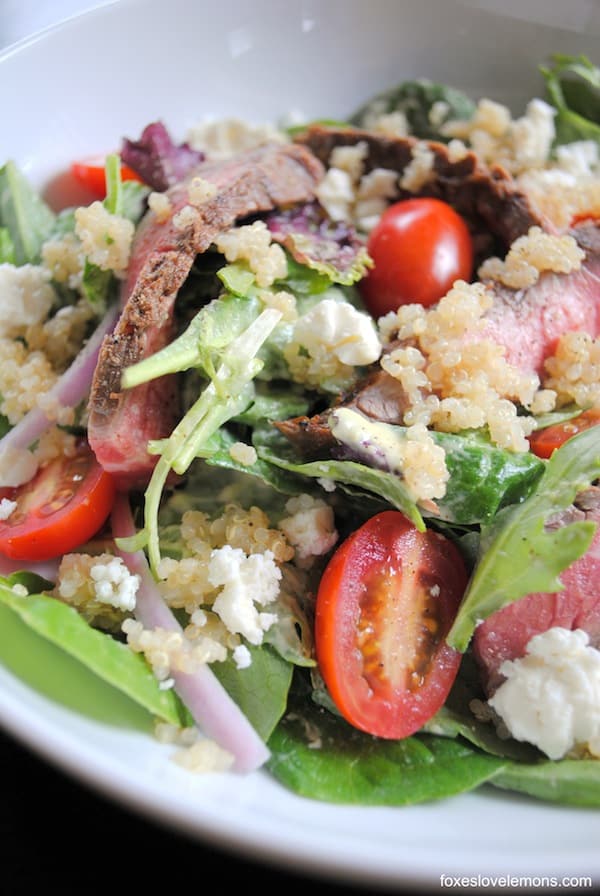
[
  {"x": 122, "y": 422},
  {"x": 505, "y": 634},
  {"x": 488, "y": 198},
  {"x": 529, "y": 322},
  {"x": 378, "y": 396}
]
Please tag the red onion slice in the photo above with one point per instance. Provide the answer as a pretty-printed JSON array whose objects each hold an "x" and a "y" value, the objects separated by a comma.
[
  {"x": 214, "y": 711},
  {"x": 68, "y": 391}
]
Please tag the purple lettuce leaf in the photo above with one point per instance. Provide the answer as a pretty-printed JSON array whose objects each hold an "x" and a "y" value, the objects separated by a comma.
[
  {"x": 157, "y": 159},
  {"x": 330, "y": 247}
]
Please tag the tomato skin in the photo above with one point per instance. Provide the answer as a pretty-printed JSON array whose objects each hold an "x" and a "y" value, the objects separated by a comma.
[
  {"x": 544, "y": 442},
  {"x": 90, "y": 174},
  {"x": 419, "y": 248},
  {"x": 381, "y": 623},
  {"x": 62, "y": 507}
]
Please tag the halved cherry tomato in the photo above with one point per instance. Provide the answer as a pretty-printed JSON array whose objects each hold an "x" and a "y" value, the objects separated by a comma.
[
  {"x": 90, "y": 174},
  {"x": 545, "y": 441},
  {"x": 419, "y": 247},
  {"x": 385, "y": 604},
  {"x": 63, "y": 506}
]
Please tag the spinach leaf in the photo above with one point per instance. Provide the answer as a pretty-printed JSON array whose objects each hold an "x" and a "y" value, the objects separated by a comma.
[
  {"x": 319, "y": 756},
  {"x": 573, "y": 782},
  {"x": 519, "y": 555},
  {"x": 483, "y": 477},
  {"x": 260, "y": 690},
  {"x": 101, "y": 654},
  {"x": 426, "y": 105},
  {"x": 455, "y": 719},
  {"x": 25, "y": 216},
  {"x": 7, "y": 247},
  {"x": 389, "y": 486},
  {"x": 573, "y": 88}
]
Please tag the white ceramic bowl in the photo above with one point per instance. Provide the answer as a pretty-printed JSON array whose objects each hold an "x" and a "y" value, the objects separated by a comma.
[{"x": 76, "y": 90}]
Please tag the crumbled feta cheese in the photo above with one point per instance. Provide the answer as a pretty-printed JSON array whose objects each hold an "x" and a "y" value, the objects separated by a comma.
[
  {"x": 6, "y": 508},
  {"x": 19, "y": 590},
  {"x": 336, "y": 194},
  {"x": 245, "y": 582},
  {"x": 27, "y": 297},
  {"x": 517, "y": 144},
  {"x": 551, "y": 696},
  {"x": 242, "y": 656},
  {"x": 17, "y": 466},
  {"x": 329, "y": 340},
  {"x": 224, "y": 138},
  {"x": 419, "y": 170},
  {"x": 114, "y": 584},
  {"x": 310, "y": 528}
]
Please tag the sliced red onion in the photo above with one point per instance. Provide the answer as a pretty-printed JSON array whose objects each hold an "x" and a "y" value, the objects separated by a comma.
[
  {"x": 213, "y": 710},
  {"x": 69, "y": 390},
  {"x": 47, "y": 569}
]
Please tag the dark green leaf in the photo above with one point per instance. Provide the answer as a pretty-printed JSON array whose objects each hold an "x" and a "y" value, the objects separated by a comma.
[
  {"x": 574, "y": 782},
  {"x": 100, "y": 653},
  {"x": 416, "y": 99},
  {"x": 319, "y": 756},
  {"x": 26, "y": 217},
  {"x": 260, "y": 690}
]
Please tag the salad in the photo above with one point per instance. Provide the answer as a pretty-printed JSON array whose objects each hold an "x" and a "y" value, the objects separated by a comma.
[{"x": 298, "y": 441}]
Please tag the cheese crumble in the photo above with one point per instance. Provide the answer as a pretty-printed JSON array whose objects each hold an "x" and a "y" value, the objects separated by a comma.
[{"x": 551, "y": 696}]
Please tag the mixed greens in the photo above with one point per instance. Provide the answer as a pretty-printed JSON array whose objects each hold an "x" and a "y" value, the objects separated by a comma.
[{"x": 230, "y": 356}]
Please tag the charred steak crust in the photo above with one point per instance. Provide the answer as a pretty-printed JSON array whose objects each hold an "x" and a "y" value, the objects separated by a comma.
[
  {"x": 487, "y": 198},
  {"x": 256, "y": 181}
]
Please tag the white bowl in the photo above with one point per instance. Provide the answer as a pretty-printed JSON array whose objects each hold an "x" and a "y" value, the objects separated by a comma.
[{"x": 77, "y": 90}]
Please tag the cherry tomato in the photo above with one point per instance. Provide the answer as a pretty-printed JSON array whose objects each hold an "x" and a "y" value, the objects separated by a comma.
[
  {"x": 63, "y": 506},
  {"x": 90, "y": 174},
  {"x": 385, "y": 604},
  {"x": 419, "y": 248},
  {"x": 545, "y": 441}
]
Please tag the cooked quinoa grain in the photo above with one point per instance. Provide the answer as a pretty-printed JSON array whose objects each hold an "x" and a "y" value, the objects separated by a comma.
[{"x": 531, "y": 255}]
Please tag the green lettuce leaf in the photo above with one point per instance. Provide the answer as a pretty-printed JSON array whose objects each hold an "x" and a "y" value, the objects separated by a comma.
[
  {"x": 99, "y": 653},
  {"x": 519, "y": 555},
  {"x": 319, "y": 756},
  {"x": 571, "y": 782},
  {"x": 573, "y": 88},
  {"x": 416, "y": 100},
  {"x": 260, "y": 690},
  {"x": 24, "y": 215}
]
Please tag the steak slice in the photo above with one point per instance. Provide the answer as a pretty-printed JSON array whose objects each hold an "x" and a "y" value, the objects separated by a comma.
[
  {"x": 529, "y": 322},
  {"x": 487, "y": 197},
  {"x": 378, "y": 396},
  {"x": 505, "y": 634},
  {"x": 122, "y": 422}
]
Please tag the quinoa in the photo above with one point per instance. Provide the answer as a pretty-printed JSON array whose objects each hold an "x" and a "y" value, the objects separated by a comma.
[
  {"x": 24, "y": 377},
  {"x": 531, "y": 255},
  {"x": 243, "y": 454},
  {"x": 160, "y": 204},
  {"x": 106, "y": 239},
  {"x": 573, "y": 373},
  {"x": 252, "y": 243},
  {"x": 75, "y": 587},
  {"x": 450, "y": 385},
  {"x": 515, "y": 144}
]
